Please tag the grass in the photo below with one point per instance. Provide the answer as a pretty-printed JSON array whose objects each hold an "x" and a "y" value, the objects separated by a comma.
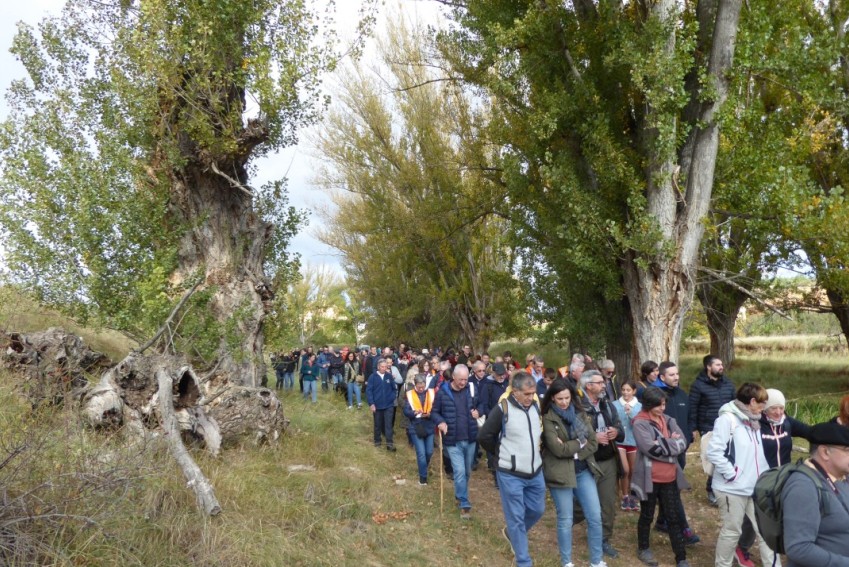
[
  {"x": 19, "y": 313},
  {"x": 311, "y": 499}
]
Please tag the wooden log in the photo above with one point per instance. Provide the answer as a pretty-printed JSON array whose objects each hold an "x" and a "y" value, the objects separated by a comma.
[{"x": 195, "y": 478}]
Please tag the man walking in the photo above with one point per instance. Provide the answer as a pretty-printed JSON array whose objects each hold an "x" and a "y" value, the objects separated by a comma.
[
  {"x": 381, "y": 395},
  {"x": 455, "y": 414},
  {"x": 515, "y": 438},
  {"x": 609, "y": 431}
]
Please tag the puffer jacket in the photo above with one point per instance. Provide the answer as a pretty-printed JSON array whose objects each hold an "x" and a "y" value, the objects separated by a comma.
[
  {"x": 736, "y": 451},
  {"x": 611, "y": 419},
  {"x": 706, "y": 397},
  {"x": 558, "y": 459},
  {"x": 445, "y": 410}
]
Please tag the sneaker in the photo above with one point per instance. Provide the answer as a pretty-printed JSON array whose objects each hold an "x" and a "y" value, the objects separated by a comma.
[
  {"x": 626, "y": 503},
  {"x": 712, "y": 498},
  {"x": 422, "y": 482},
  {"x": 390, "y": 448},
  {"x": 507, "y": 537},
  {"x": 359, "y": 406},
  {"x": 466, "y": 514},
  {"x": 683, "y": 563},
  {"x": 743, "y": 558},
  {"x": 350, "y": 407},
  {"x": 570, "y": 564},
  {"x": 608, "y": 549},
  {"x": 690, "y": 537},
  {"x": 599, "y": 564},
  {"x": 635, "y": 504},
  {"x": 647, "y": 557}
]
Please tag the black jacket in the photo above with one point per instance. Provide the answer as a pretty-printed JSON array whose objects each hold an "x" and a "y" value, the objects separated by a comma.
[
  {"x": 706, "y": 397},
  {"x": 677, "y": 406}
]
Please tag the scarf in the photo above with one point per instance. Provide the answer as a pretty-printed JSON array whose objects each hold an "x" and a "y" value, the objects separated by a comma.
[
  {"x": 754, "y": 420},
  {"x": 575, "y": 426}
]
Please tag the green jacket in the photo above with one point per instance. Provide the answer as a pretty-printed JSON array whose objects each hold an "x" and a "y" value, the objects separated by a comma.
[{"x": 558, "y": 456}]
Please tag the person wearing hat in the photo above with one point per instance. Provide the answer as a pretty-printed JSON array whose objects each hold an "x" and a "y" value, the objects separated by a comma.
[
  {"x": 777, "y": 432},
  {"x": 815, "y": 534}
]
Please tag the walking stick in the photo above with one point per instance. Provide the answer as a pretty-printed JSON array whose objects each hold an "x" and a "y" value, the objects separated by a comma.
[{"x": 441, "y": 477}]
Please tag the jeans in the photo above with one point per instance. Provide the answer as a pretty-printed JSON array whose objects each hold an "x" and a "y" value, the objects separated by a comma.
[
  {"x": 324, "y": 378},
  {"x": 462, "y": 454},
  {"x": 337, "y": 379},
  {"x": 733, "y": 509},
  {"x": 587, "y": 495},
  {"x": 669, "y": 497},
  {"x": 424, "y": 451},
  {"x": 279, "y": 376},
  {"x": 383, "y": 425},
  {"x": 311, "y": 386},
  {"x": 354, "y": 388},
  {"x": 288, "y": 381},
  {"x": 523, "y": 503}
]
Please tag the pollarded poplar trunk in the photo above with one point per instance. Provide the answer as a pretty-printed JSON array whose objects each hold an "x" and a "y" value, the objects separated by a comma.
[
  {"x": 840, "y": 308},
  {"x": 722, "y": 305},
  {"x": 226, "y": 243}
]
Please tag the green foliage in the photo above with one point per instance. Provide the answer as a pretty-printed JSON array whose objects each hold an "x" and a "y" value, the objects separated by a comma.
[
  {"x": 410, "y": 165},
  {"x": 122, "y": 100}
]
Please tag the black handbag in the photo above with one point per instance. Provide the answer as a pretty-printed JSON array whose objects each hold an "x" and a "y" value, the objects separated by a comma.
[{"x": 422, "y": 430}]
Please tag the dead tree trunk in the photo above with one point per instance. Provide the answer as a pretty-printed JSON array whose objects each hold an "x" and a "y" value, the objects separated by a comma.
[{"x": 195, "y": 478}]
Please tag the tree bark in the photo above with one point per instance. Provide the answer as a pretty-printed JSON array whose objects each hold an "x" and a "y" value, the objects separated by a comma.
[
  {"x": 722, "y": 305},
  {"x": 226, "y": 243},
  {"x": 660, "y": 288},
  {"x": 840, "y": 308},
  {"x": 195, "y": 478}
]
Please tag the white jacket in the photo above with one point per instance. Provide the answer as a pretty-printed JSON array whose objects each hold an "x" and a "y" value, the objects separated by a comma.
[{"x": 737, "y": 477}]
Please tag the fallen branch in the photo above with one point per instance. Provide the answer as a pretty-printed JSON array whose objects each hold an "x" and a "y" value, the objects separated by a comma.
[
  {"x": 195, "y": 479},
  {"x": 164, "y": 326}
]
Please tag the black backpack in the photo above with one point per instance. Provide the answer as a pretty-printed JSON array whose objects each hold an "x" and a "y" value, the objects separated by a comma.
[{"x": 767, "y": 500}]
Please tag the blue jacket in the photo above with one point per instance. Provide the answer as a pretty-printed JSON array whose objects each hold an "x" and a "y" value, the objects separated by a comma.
[
  {"x": 446, "y": 411},
  {"x": 491, "y": 392},
  {"x": 411, "y": 415},
  {"x": 381, "y": 392},
  {"x": 706, "y": 397}
]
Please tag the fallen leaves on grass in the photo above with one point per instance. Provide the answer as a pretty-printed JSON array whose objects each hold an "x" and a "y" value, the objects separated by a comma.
[{"x": 381, "y": 518}]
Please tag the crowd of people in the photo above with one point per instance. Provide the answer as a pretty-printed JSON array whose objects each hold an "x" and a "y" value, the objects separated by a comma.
[{"x": 599, "y": 444}]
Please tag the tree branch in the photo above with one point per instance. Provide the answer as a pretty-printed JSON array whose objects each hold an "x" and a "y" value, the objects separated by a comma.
[
  {"x": 233, "y": 182},
  {"x": 174, "y": 311},
  {"x": 726, "y": 280}
]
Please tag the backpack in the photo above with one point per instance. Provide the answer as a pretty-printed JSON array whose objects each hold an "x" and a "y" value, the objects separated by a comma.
[
  {"x": 767, "y": 501},
  {"x": 708, "y": 466}
]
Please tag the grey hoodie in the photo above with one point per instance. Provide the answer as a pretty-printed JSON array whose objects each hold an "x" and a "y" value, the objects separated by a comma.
[{"x": 734, "y": 426}]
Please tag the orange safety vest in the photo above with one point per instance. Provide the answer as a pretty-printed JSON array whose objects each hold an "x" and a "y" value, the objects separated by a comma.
[{"x": 416, "y": 404}]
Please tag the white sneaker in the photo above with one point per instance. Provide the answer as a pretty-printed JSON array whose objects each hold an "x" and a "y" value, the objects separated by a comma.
[
  {"x": 599, "y": 564},
  {"x": 350, "y": 407},
  {"x": 568, "y": 565}
]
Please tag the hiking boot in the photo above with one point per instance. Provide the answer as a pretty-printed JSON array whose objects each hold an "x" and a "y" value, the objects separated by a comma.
[
  {"x": 647, "y": 557},
  {"x": 608, "y": 549},
  {"x": 743, "y": 558},
  {"x": 466, "y": 514},
  {"x": 507, "y": 537},
  {"x": 690, "y": 537}
]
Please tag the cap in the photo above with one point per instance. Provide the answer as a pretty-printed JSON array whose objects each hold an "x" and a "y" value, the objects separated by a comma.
[
  {"x": 830, "y": 433},
  {"x": 499, "y": 368},
  {"x": 775, "y": 398}
]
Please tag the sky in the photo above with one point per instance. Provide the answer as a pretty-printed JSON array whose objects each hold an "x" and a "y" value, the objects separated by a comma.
[{"x": 295, "y": 163}]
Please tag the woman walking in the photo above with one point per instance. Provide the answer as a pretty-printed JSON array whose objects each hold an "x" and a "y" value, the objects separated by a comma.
[
  {"x": 417, "y": 406},
  {"x": 352, "y": 379},
  {"x": 568, "y": 466}
]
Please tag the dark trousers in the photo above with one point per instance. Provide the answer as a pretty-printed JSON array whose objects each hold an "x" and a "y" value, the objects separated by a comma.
[
  {"x": 747, "y": 536},
  {"x": 661, "y": 516},
  {"x": 383, "y": 420},
  {"x": 670, "y": 499}
]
